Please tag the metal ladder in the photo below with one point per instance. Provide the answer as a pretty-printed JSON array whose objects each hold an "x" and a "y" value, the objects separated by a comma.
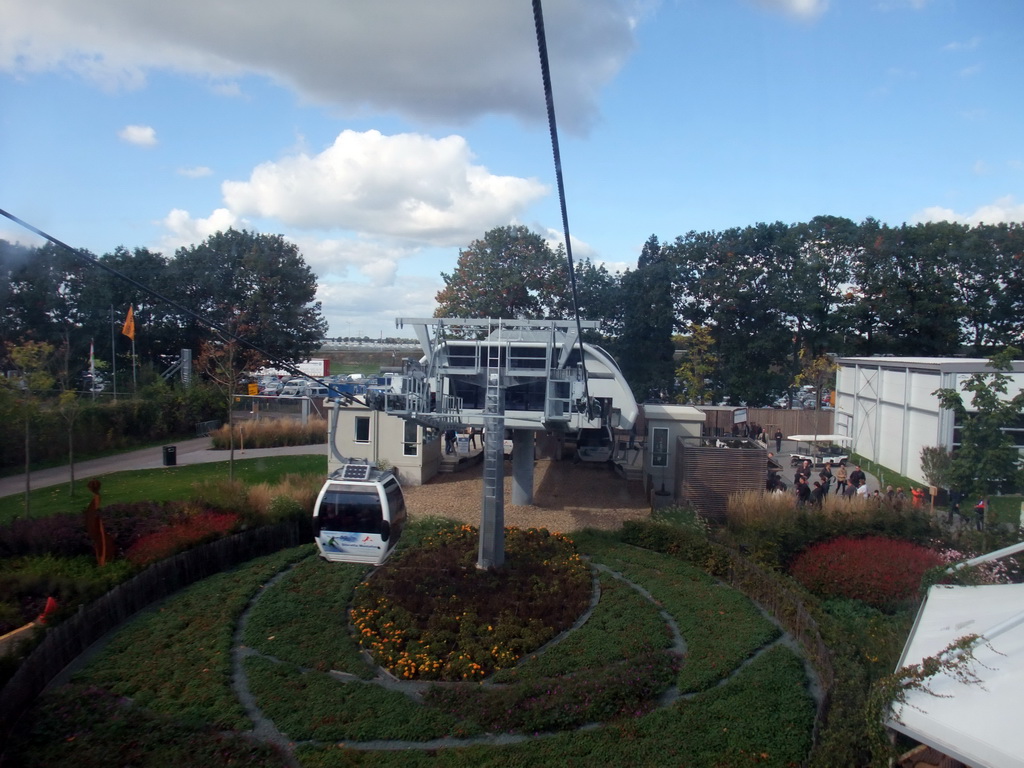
[{"x": 492, "y": 515}]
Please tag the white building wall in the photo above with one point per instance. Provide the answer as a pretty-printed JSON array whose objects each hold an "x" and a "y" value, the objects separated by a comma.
[{"x": 888, "y": 406}]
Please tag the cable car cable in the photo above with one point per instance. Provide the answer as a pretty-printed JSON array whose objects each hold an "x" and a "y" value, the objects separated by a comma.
[{"x": 549, "y": 99}]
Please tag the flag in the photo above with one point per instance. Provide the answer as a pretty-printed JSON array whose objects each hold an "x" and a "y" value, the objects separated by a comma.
[{"x": 129, "y": 324}]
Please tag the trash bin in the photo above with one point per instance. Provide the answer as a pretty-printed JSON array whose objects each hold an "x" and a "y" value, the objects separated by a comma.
[{"x": 170, "y": 455}]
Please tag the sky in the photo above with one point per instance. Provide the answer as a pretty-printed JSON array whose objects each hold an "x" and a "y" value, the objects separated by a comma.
[{"x": 383, "y": 137}]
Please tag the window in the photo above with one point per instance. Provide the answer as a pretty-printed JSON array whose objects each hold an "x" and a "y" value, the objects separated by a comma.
[
  {"x": 659, "y": 447},
  {"x": 362, "y": 429},
  {"x": 357, "y": 512},
  {"x": 410, "y": 439}
]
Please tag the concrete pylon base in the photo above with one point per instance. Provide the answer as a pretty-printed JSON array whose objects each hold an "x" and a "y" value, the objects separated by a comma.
[{"x": 522, "y": 466}]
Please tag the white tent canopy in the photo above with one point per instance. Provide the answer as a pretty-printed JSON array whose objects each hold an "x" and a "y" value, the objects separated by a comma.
[
  {"x": 836, "y": 439},
  {"x": 977, "y": 723}
]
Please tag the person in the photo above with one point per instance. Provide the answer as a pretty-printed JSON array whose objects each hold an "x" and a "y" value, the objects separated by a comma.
[
  {"x": 826, "y": 476},
  {"x": 979, "y": 515},
  {"x": 840, "y": 479},
  {"x": 472, "y": 437},
  {"x": 900, "y": 498},
  {"x": 918, "y": 495},
  {"x": 856, "y": 476},
  {"x": 818, "y": 494},
  {"x": 862, "y": 489},
  {"x": 778, "y": 441},
  {"x": 803, "y": 491},
  {"x": 449, "y": 441}
]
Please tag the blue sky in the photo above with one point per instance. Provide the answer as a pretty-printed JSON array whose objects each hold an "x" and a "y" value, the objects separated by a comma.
[{"x": 381, "y": 137}]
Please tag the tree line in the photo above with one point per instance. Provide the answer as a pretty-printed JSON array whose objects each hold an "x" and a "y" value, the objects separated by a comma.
[
  {"x": 740, "y": 313},
  {"x": 255, "y": 286}
]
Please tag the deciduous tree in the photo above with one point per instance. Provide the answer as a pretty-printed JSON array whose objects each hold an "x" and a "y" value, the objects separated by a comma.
[
  {"x": 987, "y": 461},
  {"x": 510, "y": 273}
]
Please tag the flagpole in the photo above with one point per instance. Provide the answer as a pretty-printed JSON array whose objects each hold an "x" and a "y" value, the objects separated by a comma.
[
  {"x": 92, "y": 367},
  {"x": 135, "y": 380},
  {"x": 113, "y": 350}
]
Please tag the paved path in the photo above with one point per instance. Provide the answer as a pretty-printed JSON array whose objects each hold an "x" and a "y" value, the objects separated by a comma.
[{"x": 195, "y": 451}]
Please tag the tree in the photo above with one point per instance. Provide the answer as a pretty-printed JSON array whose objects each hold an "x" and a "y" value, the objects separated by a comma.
[
  {"x": 259, "y": 284},
  {"x": 936, "y": 462},
  {"x": 33, "y": 359},
  {"x": 511, "y": 273},
  {"x": 224, "y": 362},
  {"x": 645, "y": 349},
  {"x": 697, "y": 365},
  {"x": 817, "y": 372},
  {"x": 987, "y": 461}
]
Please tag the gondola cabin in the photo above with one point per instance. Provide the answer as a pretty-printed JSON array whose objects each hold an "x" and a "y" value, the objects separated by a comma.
[{"x": 359, "y": 515}]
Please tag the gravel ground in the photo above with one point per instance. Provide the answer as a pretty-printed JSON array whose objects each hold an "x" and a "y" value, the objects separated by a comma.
[{"x": 567, "y": 497}]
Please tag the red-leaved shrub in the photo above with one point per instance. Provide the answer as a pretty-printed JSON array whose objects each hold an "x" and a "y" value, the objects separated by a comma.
[
  {"x": 179, "y": 536},
  {"x": 878, "y": 571}
]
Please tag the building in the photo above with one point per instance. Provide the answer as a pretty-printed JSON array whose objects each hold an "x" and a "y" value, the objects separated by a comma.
[{"x": 889, "y": 407}]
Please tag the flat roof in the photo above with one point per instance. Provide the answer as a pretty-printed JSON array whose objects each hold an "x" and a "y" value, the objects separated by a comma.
[
  {"x": 676, "y": 412},
  {"x": 936, "y": 364}
]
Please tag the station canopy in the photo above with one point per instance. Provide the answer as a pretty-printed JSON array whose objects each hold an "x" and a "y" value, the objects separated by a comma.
[{"x": 979, "y": 722}]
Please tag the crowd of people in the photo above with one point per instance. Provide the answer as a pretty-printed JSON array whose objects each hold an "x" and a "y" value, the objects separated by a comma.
[{"x": 847, "y": 484}]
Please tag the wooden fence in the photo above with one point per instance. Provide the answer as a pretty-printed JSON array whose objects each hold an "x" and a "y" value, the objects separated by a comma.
[{"x": 63, "y": 643}]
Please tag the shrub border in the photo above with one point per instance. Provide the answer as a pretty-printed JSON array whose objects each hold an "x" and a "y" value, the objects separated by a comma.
[{"x": 63, "y": 643}]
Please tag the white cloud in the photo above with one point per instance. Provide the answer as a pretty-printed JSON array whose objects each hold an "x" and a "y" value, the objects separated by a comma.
[
  {"x": 801, "y": 9},
  {"x": 364, "y": 309},
  {"x": 446, "y": 62},
  {"x": 406, "y": 186},
  {"x": 970, "y": 71},
  {"x": 183, "y": 230},
  {"x": 196, "y": 172},
  {"x": 1002, "y": 211},
  {"x": 963, "y": 45},
  {"x": 140, "y": 135}
]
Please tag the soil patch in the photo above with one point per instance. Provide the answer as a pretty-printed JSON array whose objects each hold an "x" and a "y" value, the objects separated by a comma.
[{"x": 567, "y": 497}]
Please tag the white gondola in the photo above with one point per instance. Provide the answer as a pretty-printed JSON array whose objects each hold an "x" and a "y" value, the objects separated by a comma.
[
  {"x": 359, "y": 515},
  {"x": 594, "y": 445}
]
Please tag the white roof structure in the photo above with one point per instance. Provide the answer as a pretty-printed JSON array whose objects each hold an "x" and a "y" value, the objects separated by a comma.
[{"x": 977, "y": 723}]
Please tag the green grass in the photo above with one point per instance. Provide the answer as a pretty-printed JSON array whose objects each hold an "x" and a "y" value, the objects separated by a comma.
[
  {"x": 304, "y": 619},
  {"x": 174, "y": 663},
  {"x": 721, "y": 626},
  {"x": 623, "y": 625},
  {"x": 90, "y": 728},
  {"x": 762, "y": 717},
  {"x": 167, "y": 484},
  {"x": 314, "y": 706},
  {"x": 175, "y": 659}
]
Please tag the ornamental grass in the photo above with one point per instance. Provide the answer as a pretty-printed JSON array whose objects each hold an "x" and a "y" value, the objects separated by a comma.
[
  {"x": 431, "y": 614},
  {"x": 270, "y": 433}
]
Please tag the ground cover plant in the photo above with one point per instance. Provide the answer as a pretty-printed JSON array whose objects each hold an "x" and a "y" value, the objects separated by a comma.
[
  {"x": 309, "y": 705},
  {"x": 303, "y": 620},
  {"x": 721, "y": 626},
  {"x": 88, "y": 727},
  {"x": 623, "y": 625},
  {"x": 176, "y": 658},
  {"x": 432, "y": 614},
  {"x": 760, "y": 715}
]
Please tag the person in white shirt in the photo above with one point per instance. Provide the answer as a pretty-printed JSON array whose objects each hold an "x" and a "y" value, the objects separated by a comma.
[{"x": 862, "y": 489}]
